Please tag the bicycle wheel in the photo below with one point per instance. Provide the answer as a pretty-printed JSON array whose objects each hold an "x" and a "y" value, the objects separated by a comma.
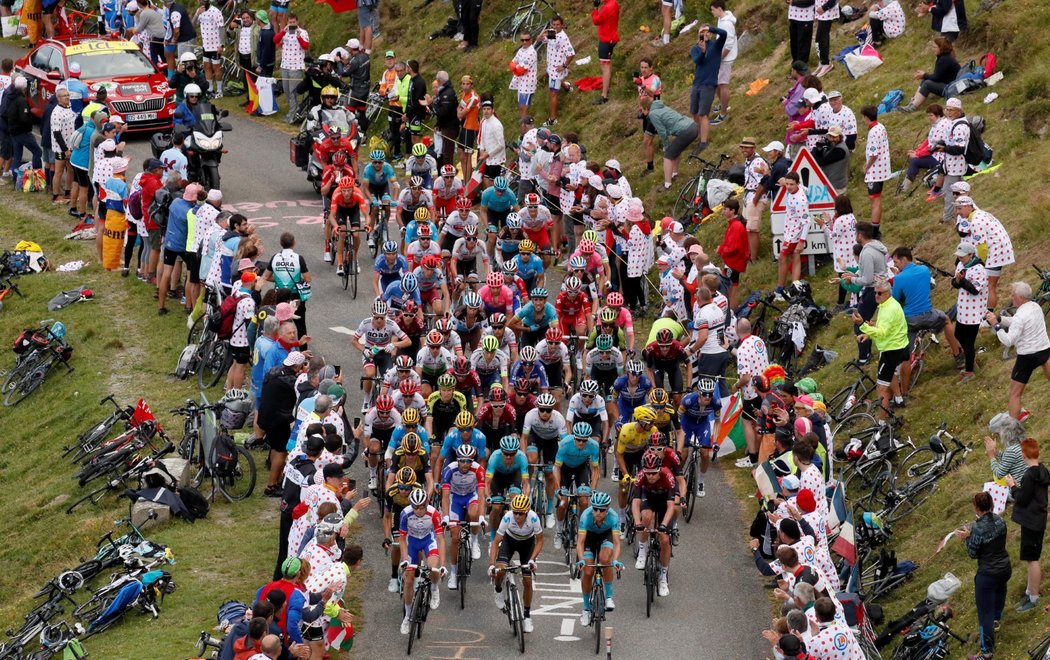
[
  {"x": 533, "y": 22},
  {"x": 194, "y": 336},
  {"x": 416, "y": 621},
  {"x": 238, "y": 484},
  {"x": 912, "y": 498},
  {"x": 94, "y": 497},
  {"x": 353, "y": 269},
  {"x": 690, "y": 485},
  {"x": 861, "y": 480},
  {"x": 463, "y": 567},
  {"x": 519, "y": 620},
  {"x": 916, "y": 465},
  {"x": 345, "y": 247},
  {"x": 31, "y": 381},
  {"x": 603, "y": 458},
  {"x": 216, "y": 363},
  {"x": 688, "y": 202},
  {"x": 503, "y": 29},
  {"x": 916, "y": 372},
  {"x": 598, "y": 613},
  {"x": 842, "y": 402}
]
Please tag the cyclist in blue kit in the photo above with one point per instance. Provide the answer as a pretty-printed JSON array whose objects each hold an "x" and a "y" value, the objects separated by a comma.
[{"x": 697, "y": 412}]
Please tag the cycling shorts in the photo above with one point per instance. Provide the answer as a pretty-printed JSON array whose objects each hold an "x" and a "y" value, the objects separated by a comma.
[
  {"x": 633, "y": 461},
  {"x": 488, "y": 380},
  {"x": 547, "y": 450},
  {"x": 606, "y": 379},
  {"x": 377, "y": 190},
  {"x": 458, "y": 505},
  {"x": 554, "y": 374},
  {"x": 510, "y": 546},
  {"x": 431, "y": 377},
  {"x": 344, "y": 215},
  {"x": 655, "y": 502},
  {"x": 697, "y": 433},
  {"x": 595, "y": 542},
  {"x": 673, "y": 371},
  {"x": 427, "y": 546},
  {"x": 382, "y": 435},
  {"x": 577, "y": 322},
  {"x": 579, "y": 475},
  {"x": 430, "y": 296},
  {"x": 502, "y": 481},
  {"x": 541, "y": 237}
]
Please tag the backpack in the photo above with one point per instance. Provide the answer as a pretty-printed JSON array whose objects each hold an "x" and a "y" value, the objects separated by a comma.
[
  {"x": 977, "y": 151},
  {"x": 158, "y": 208},
  {"x": 225, "y": 454},
  {"x": 135, "y": 204},
  {"x": 78, "y": 138},
  {"x": 970, "y": 78},
  {"x": 184, "y": 367},
  {"x": 989, "y": 61},
  {"x": 230, "y": 614},
  {"x": 220, "y": 321},
  {"x": 890, "y": 102},
  {"x": 194, "y": 502}
]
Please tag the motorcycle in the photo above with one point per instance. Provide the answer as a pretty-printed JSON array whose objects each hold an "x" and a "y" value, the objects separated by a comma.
[
  {"x": 202, "y": 146},
  {"x": 312, "y": 151}
]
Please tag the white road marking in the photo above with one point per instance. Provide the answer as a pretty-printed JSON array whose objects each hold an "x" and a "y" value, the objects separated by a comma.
[
  {"x": 566, "y": 635},
  {"x": 342, "y": 330}
]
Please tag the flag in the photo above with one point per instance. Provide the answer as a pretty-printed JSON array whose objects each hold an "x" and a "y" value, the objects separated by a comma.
[
  {"x": 730, "y": 426},
  {"x": 475, "y": 181},
  {"x": 768, "y": 486},
  {"x": 339, "y": 637},
  {"x": 844, "y": 546},
  {"x": 253, "y": 96},
  {"x": 339, "y": 6},
  {"x": 836, "y": 508}
]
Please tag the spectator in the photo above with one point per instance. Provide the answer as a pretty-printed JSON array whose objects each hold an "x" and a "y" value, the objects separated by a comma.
[
  {"x": 886, "y": 18},
  {"x": 800, "y": 28},
  {"x": 986, "y": 542},
  {"x": 752, "y": 359},
  {"x": 210, "y": 20},
  {"x": 468, "y": 113},
  {"x": 649, "y": 85},
  {"x": 288, "y": 270},
  {"x": 560, "y": 54},
  {"x": 388, "y": 90},
  {"x": 827, "y": 14},
  {"x": 606, "y": 17},
  {"x": 947, "y": 17},
  {"x": 1025, "y": 331},
  {"x": 841, "y": 231},
  {"x": 179, "y": 34},
  {"x": 842, "y": 115},
  {"x": 877, "y": 166},
  {"x": 266, "y": 49},
  {"x": 367, "y": 23},
  {"x": 832, "y": 155},
  {"x": 727, "y": 22},
  {"x": 414, "y": 102},
  {"x": 676, "y": 133},
  {"x": 639, "y": 247},
  {"x": 293, "y": 42},
  {"x": 1010, "y": 460},
  {"x": 755, "y": 168},
  {"x": 796, "y": 229},
  {"x": 911, "y": 288},
  {"x": 1030, "y": 513},
  {"x": 734, "y": 249},
  {"x": 792, "y": 100},
  {"x": 524, "y": 73},
  {"x": 358, "y": 71},
  {"x": 276, "y": 408},
  {"x": 706, "y": 54},
  {"x": 945, "y": 71},
  {"x": 20, "y": 123},
  {"x": 872, "y": 264},
  {"x": 972, "y": 282},
  {"x": 924, "y": 156},
  {"x": 443, "y": 105},
  {"x": 833, "y": 641},
  {"x": 149, "y": 30},
  {"x": 990, "y": 239},
  {"x": 890, "y": 334},
  {"x": 492, "y": 145},
  {"x": 244, "y": 33}
]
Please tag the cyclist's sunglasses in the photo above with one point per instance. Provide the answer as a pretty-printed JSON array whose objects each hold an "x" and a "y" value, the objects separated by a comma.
[
  {"x": 586, "y": 396},
  {"x": 510, "y": 453},
  {"x": 471, "y": 239},
  {"x": 600, "y": 509},
  {"x": 378, "y": 318},
  {"x": 581, "y": 439},
  {"x": 464, "y": 461},
  {"x": 521, "y": 513},
  {"x": 651, "y": 473},
  {"x": 497, "y": 327},
  {"x": 400, "y": 487},
  {"x": 546, "y": 410}
]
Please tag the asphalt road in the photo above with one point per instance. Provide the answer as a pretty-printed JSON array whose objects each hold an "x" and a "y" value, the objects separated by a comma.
[{"x": 717, "y": 607}]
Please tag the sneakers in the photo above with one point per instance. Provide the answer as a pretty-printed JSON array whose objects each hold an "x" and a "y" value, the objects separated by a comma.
[
  {"x": 406, "y": 625},
  {"x": 609, "y": 604},
  {"x": 453, "y": 581},
  {"x": 327, "y": 257},
  {"x": 779, "y": 297},
  {"x": 906, "y": 108},
  {"x": 501, "y": 603},
  {"x": 1024, "y": 415},
  {"x": 550, "y": 521},
  {"x": 934, "y": 194},
  {"x": 558, "y": 542},
  {"x": 475, "y": 549},
  {"x": 339, "y": 271},
  {"x": 718, "y": 119},
  {"x": 601, "y": 100},
  {"x": 527, "y": 624},
  {"x": 1027, "y": 605},
  {"x": 364, "y": 406},
  {"x": 966, "y": 377},
  {"x": 357, "y": 269},
  {"x": 640, "y": 562},
  {"x": 745, "y": 462},
  {"x": 373, "y": 482},
  {"x": 825, "y": 69},
  {"x": 585, "y": 618},
  {"x": 371, "y": 241},
  {"x": 551, "y": 122},
  {"x": 392, "y": 586},
  {"x": 661, "y": 587},
  {"x": 700, "y": 489},
  {"x": 435, "y": 597}
]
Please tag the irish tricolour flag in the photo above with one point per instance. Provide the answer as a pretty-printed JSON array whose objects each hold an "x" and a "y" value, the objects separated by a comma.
[{"x": 729, "y": 431}]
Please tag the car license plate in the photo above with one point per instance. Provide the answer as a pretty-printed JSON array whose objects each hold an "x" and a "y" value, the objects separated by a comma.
[{"x": 141, "y": 116}]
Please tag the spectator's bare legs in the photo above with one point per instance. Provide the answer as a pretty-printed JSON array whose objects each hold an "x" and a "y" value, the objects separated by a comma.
[
  {"x": 552, "y": 102},
  {"x": 993, "y": 291},
  {"x": 365, "y": 35},
  {"x": 606, "y": 77},
  {"x": 723, "y": 99},
  {"x": 665, "y": 12},
  {"x": 1016, "y": 390},
  {"x": 876, "y": 211}
]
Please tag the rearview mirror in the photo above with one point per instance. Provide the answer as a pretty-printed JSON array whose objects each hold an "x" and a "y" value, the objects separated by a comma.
[
  {"x": 224, "y": 126},
  {"x": 224, "y": 113},
  {"x": 54, "y": 75}
]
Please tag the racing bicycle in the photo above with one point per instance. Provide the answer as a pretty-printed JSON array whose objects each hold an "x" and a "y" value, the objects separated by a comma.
[
  {"x": 420, "y": 603},
  {"x": 464, "y": 560},
  {"x": 538, "y": 488},
  {"x": 91, "y": 439},
  {"x": 918, "y": 474},
  {"x": 206, "y": 443},
  {"x": 513, "y": 605},
  {"x": 38, "y": 352},
  {"x": 691, "y": 207},
  {"x": 526, "y": 18},
  {"x": 853, "y": 397},
  {"x": 598, "y": 606}
]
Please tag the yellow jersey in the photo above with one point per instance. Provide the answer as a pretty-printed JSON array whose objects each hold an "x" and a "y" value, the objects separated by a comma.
[{"x": 632, "y": 438}]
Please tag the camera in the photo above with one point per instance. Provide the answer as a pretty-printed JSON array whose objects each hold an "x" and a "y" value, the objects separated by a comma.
[
  {"x": 551, "y": 34},
  {"x": 564, "y": 181},
  {"x": 597, "y": 3},
  {"x": 292, "y": 28}
]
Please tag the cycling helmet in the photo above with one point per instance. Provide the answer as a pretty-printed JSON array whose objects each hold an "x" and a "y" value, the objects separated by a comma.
[
  {"x": 390, "y": 247},
  {"x": 408, "y": 388},
  {"x": 600, "y": 500},
  {"x": 406, "y": 476},
  {"x": 424, "y": 230},
  {"x": 419, "y": 150},
  {"x": 497, "y": 394},
  {"x": 422, "y": 214},
  {"x": 643, "y": 414},
  {"x": 509, "y": 444},
  {"x": 500, "y": 183},
  {"x": 462, "y": 365},
  {"x": 608, "y": 315},
  {"x": 466, "y": 452},
  {"x": 329, "y": 90},
  {"x": 581, "y": 430},
  {"x": 494, "y": 280},
  {"x": 538, "y": 292},
  {"x": 416, "y": 181},
  {"x": 409, "y": 283},
  {"x": 448, "y": 170},
  {"x": 532, "y": 199},
  {"x": 553, "y": 336},
  {"x": 526, "y": 246},
  {"x": 378, "y": 155},
  {"x": 417, "y": 498},
  {"x": 463, "y": 203},
  {"x": 411, "y": 443},
  {"x": 577, "y": 263},
  {"x": 464, "y": 420},
  {"x": 614, "y": 299},
  {"x": 528, "y": 354},
  {"x": 431, "y": 261},
  {"x": 339, "y": 158},
  {"x": 706, "y": 385},
  {"x": 472, "y": 300},
  {"x": 589, "y": 387},
  {"x": 522, "y": 385},
  {"x": 498, "y": 318},
  {"x": 657, "y": 439},
  {"x": 513, "y": 221},
  {"x": 410, "y": 417},
  {"x": 664, "y": 336},
  {"x": 385, "y": 403},
  {"x": 590, "y": 235},
  {"x": 657, "y": 397},
  {"x": 434, "y": 338},
  {"x": 193, "y": 89},
  {"x": 379, "y": 308},
  {"x": 444, "y": 326},
  {"x": 510, "y": 267},
  {"x": 446, "y": 381},
  {"x": 489, "y": 343},
  {"x": 346, "y": 182},
  {"x": 586, "y": 247},
  {"x": 635, "y": 367},
  {"x": 546, "y": 400},
  {"x": 521, "y": 503},
  {"x": 573, "y": 284},
  {"x": 604, "y": 342},
  {"x": 650, "y": 461},
  {"x": 468, "y": 231}
]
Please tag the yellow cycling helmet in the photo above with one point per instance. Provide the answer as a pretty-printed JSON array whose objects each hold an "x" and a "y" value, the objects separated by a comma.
[
  {"x": 658, "y": 397},
  {"x": 406, "y": 476},
  {"x": 526, "y": 246},
  {"x": 643, "y": 414},
  {"x": 411, "y": 444},
  {"x": 330, "y": 90},
  {"x": 521, "y": 503},
  {"x": 410, "y": 416},
  {"x": 422, "y": 214},
  {"x": 464, "y": 420}
]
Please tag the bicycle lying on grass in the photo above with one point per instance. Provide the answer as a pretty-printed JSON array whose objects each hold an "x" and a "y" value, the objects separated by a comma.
[{"x": 38, "y": 351}]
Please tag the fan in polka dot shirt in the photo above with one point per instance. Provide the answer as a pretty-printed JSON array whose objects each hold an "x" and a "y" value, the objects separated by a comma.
[
  {"x": 834, "y": 641},
  {"x": 877, "y": 167}
]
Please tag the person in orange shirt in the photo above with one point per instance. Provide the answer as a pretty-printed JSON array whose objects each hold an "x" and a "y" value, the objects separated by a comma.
[
  {"x": 350, "y": 207},
  {"x": 388, "y": 91},
  {"x": 469, "y": 105}
]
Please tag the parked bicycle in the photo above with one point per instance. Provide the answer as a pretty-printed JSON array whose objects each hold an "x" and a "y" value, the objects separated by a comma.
[
  {"x": 209, "y": 447},
  {"x": 38, "y": 350},
  {"x": 854, "y": 397},
  {"x": 528, "y": 18},
  {"x": 918, "y": 474},
  {"x": 92, "y": 438},
  {"x": 691, "y": 208}
]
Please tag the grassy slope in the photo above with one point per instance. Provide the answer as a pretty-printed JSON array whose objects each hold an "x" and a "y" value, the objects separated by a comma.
[{"x": 1018, "y": 121}]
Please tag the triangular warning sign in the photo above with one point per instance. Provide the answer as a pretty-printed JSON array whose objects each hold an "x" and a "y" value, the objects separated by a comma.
[{"x": 819, "y": 190}]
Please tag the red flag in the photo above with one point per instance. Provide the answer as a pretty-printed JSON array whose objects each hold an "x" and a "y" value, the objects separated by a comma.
[{"x": 339, "y": 6}]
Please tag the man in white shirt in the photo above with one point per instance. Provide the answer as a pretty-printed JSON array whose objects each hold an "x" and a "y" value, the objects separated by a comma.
[
  {"x": 833, "y": 641},
  {"x": 293, "y": 42},
  {"x": 492, "y": 144},
  {"x": 1025, "y": 331},
  {"x": 727, "y": 22},
  {"x": 560, "y": 54},
  {"x": 877, "y": 168}
]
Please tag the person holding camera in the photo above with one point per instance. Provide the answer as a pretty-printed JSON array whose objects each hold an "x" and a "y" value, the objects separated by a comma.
[
  {"x": 187, "y": 72},
  {"x": 649, "y": 85},
  {"x": 832, "y": 154},
  {"x": 293, "y": 42},
  {"x": 523, "y": 67},
  {"x": 606, "y": 17},
  {"x": 560, "y": 54},
  {"x": 706, "y": 54},
  {"x": 148, "y": 29},
  {"x": 244, "y": 32},
  {"x": 676, "y": 132}
]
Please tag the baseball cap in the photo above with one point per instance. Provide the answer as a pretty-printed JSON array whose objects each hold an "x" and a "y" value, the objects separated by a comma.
[
  {"x": 108, "y": 126},
  {"x": 262, "y": 16},
  {"x": 132, "y": 6},
  {"x": 486, "y": 104},
  {"x": 333, "y": 470},
  {"x": 695, "y": 249},
  {"x": 389, "y": 53},
  {"x": 960, "y": 187},
  {"x": 835, "y": 130},
  {"x": 965, "y": 249},
  {"x": 285, "y": 312},
  {"x": 834, "y": 94},
  {"x": 954, "y": 102},
  {"x": 677, "y": 228},
  {"x": 811, "y": 95},
  {"x": 353, "y": 44},
  {"x": 614, "y": 191},
  {"x": 596, "y": 182},
  {"x": 74, "y": 69},
  {"x": 662, "y": 259},
  {"x": 790, "y": 482},
  {"x": 336, "y": 392},
  {"x": 214, "y": 195},
  {"x": 107, "y": 145},
  {"x": 775, "y": 145},
  {"x": 800, "y": 67},
  {"x": 153, "y": 164},
  {"x": 295, "y": 359},
  {"x": 613, "y": 164}
]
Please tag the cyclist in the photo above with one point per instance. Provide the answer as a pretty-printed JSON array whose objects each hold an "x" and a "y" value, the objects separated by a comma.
[
  {"x": 408, "y": 396},
  {"x": 462, "y": 486},
  {"x": 410, "y": 453},
  {"x": 444, "y": 406},
  {"x": 432, "y": 361},
  {"x": 655, "y": 506},
  {"x": 554, "y": 357},
  {"x": 421, "y": 534},
  {"x": 402, "y": 371},
  {"x": 598, "y": 543},
  {"x": 523, "y": 401},
  {"x": 466, "y": 251},
  {"x": 664, "y": 357},
  {"x": 349, "y": 204},
  {"x": 575, "y": 311},
  {"x": 378, "y": 427},
  {"x": 697, "y": 412},
  {"x": 447, "y": 189},
  {"x": 495, "y": 418},
  {"x": 514, "y": 280},
  {"x": 330, "y": 177},
  {"x": 469, "y": 320},
  {"x": 666, "y": 418},
  {"x": 449, "y": 338},
  {"x": 497, "y": 327},
  {"x": 631, "y": 443},
  {"x": 421, "y": 220},
  {"x": 543, "y": 428},
  {"x": 380, "y": 180},
  {"x": 507, "y": 475},
  {"x": 433, "y": 288},
  {"x": 378, "y": 338},
  {"x": 614, "y": 301},
  {"x": 525, "y": 369},
  {"x": 401, "y": 292},
  {"x": 468, "y": 383},
  {"x": 409, "y": 425},
  {"x": 461, "y": 288},
  {"x": 456, "y": 223},
  {"x": 575, "y": 469},
  {"x": 508, "y": 238},
  {"x": 660, "y": 445},
  {"x": 607, "y": 326},
  {"x": 411, "y": 321},
  {"x": 537, "y": 222},
  {"x": 405, "y": 483},
  {"x": 490, "y": 363},
  {"x": 587, "y": 406},
  {"x": 631, "y": 391},
  {"x": 496, "y": 297},
  {"x": 390, "y": 267},
  {"x": 422, "y": 245},
  {"x": 595, "y": 261},
  {"x": 413, "y": 198},
  {"x": 421, "y": 164},
  {"x": 497, "y": 203},
  {"x": 464, "y": 433},
  {"x": 521, "y": 533},
  {"x": 530, "y": 267},
  {"x": 604, "y": 364},
  {"x": 533, "y": 318}
]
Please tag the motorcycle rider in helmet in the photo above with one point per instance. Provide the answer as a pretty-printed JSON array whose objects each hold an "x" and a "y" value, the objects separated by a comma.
[
  {"x": 329, "y": 113},
  {"x": 189, "y": 111}
]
